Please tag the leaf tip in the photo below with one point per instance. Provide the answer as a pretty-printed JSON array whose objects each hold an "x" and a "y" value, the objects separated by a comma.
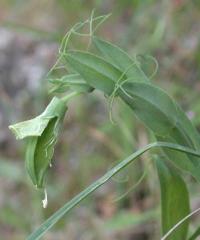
[{"x": 15, "y": 131}]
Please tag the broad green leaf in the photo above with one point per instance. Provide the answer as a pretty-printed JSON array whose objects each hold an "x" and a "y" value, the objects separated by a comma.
[
  {"x": 72, "y": 81},
  {"x": 41, "y": 133},
  {"x": 84, "y": 62},
  {"x": 50, "y": 222},
  {"x": 151, "y": 105},
  {"x": 97, "y": 72},
  {"x": 174, "y": 201},
  {"x": 102, "y": 75},
  {"x": 160, "y": 113},
  {"x": 120, "y": 59}
]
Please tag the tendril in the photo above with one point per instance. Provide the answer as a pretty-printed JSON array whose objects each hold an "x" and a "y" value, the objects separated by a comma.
[
  {"x": 118, "y": 85},
  {"x": 153, "y": 59},
  {"x": 131, "y": 188},
  {"x": 75, "y": 31}
]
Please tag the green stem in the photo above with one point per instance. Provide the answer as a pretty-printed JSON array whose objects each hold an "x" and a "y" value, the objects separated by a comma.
[
  {"x": 65, "y": 99},
  {"x": 85, "y": 193}
]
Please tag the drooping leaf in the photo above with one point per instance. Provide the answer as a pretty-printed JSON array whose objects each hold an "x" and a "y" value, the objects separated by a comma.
[
  {"x": 41, "y": 134},
  {"x": 174, "y": 201}
]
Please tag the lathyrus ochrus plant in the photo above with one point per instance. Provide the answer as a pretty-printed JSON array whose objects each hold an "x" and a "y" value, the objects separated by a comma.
[{"x": 116, "y": 74}]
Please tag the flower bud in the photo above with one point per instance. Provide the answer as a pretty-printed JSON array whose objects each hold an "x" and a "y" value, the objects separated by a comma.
[{"x": 41, "y": 134}]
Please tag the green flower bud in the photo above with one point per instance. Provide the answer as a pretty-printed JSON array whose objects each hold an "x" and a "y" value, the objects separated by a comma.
[{"x": 41, "y": 134}]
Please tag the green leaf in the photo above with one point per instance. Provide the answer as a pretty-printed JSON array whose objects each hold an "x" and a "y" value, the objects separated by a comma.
[
  {"x": 97, "y": 72},
  {"x": 148, "y": 102},
  {"x": 33, "y": 127},
  {"x": 162, "y": 115},
  {"x": 37, "y": 234},
  {"x": 174, "y": 201},
  {"x": 41, "y": 133},
  {"x": 185, "y": 134},
  {"x": 39, "y": 152},
  {"x": 155, "y": 108},
  {"x": 187, "y": 128},
  {"x": 152, "y": 105},
  {"x": 120, "y": 59},
  {"x": 36, "y": 126}
]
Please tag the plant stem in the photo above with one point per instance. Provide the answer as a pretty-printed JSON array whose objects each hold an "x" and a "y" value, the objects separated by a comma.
[
  {"x": 65, "y": 99},
  {"x": 37, "y": 234}
]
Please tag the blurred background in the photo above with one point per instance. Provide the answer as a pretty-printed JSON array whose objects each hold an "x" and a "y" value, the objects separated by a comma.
[{"x": 30, "y": 34}]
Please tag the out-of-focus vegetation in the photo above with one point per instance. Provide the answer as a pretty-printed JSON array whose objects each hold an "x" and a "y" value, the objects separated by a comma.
[{"x": 30, "y": 34}]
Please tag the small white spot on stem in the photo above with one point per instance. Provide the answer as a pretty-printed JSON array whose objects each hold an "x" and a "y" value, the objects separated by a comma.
[
  {"x": 50, "y": 164},
  {"x": 45, "y": 200}
]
